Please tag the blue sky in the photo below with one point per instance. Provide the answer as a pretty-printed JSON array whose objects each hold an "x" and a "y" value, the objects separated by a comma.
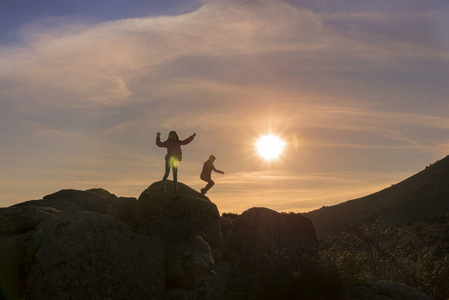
[
  {"x": 358, "y": 90},
  {"x": 16, "y": 13}
]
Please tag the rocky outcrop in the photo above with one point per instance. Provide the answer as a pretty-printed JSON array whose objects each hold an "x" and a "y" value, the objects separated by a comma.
[
  {"x": 97, "y": 200},
  {"x": 173, "y": 216},
  {"x": 86, "y": 255},
  {"x": 21, "y": 219},
  {"x": 94, "y": 245},
  {"x": 189, "y": 225},
  {"x": 272, "y": 247},
  {"x": 81, "y": 255}
]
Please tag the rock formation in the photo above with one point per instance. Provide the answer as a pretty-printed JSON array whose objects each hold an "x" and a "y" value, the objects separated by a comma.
[
  {"x": 189, "y": 226},
  {"x": 73, "y": 245},
  {"x": 94, "y": 245},
  {"x": 271, "y": 247}
]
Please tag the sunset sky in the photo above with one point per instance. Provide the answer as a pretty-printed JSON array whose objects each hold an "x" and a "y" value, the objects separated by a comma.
[{"x": 358, "y": 90}]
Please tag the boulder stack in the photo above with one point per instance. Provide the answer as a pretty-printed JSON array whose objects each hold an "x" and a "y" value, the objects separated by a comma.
[{"x": 94, "y": 245}]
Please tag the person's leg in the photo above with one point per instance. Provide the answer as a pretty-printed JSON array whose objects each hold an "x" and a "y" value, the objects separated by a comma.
[
  {"x": 203, "y": 178},
  {"x": 210, "y": 183},
  {"x": 167, "y": 172},
  {"x": 175, "y": 176}
]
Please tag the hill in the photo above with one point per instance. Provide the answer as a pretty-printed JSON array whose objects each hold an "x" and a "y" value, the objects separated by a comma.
[{"x": 423, "y": 194}]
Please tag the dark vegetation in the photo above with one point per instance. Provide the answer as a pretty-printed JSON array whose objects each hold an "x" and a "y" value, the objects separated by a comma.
[
  {"x": 416, "y": 254},
  {"x": 399, "y": 234}
]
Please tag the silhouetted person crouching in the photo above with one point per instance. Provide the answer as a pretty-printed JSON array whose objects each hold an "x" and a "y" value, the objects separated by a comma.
[{"x": 206, "y": 173}]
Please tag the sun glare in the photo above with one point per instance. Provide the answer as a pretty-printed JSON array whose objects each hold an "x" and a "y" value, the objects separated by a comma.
[{"x": 270, "y": 146}]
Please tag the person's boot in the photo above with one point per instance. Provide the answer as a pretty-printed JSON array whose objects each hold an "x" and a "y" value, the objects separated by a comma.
[
  {"x": 175, "y": 190},
  {"x": 163, "y": 189},
  {"x": 203, "y": 191}
]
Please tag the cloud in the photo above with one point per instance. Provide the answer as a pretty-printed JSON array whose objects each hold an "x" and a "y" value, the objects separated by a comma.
[
  {"x": 218, "y": 48},
  {"x": 349, "y": 91}
]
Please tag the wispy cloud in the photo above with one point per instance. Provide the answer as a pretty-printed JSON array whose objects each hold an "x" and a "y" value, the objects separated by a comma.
[
  {"x": 350, "y": 91},
  {"x": 219, "y": 48}
]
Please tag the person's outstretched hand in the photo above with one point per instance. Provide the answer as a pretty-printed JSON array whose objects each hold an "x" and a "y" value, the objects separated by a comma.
[
  {"x": 194, "y": 135},
  {"x": 158, "y": 134}
]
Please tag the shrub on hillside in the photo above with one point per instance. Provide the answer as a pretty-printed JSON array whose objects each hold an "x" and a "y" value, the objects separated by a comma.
[{"x": 372, "y": 251}]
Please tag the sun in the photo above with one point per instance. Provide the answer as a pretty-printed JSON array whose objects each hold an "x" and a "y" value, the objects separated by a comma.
[{"x": 270, "y": 146}]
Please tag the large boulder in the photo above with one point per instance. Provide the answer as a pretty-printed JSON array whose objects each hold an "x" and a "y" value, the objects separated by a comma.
[
  {"x": 265, "y": 237},
  {"x": 186, "y": 213},
  {"x": 21, "y": 219},
  {"x": 15, "y": 260},
  {"x": 189, "y": 225},
  {"x": 273, "y": 246},
  {"x": 86, "y": 255},
  {"x": 97, "y": 200}
]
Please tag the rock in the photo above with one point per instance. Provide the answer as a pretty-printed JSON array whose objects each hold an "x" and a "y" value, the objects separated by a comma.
[
  {"x": 94, "y": 245},
  {"x": 119, "y": 207},
  {"x": 15, "y": 260},
  {"x": 259, "y": 232},
  {"x": 273, "y": 246},
  {"x": 18, "y": 220},
  {"x": 86, "y": 255},
  {"x": 381, "y": 290},
  {"x": 170, "y": 215},
  {"x": 189, "y": 225},
  {"x": 97, "y": 200}
]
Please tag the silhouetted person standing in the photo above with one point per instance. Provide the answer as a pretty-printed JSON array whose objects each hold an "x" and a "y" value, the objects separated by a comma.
[
  {"x": 173, "y": 157},
  {"x": 206, "y": 173}
]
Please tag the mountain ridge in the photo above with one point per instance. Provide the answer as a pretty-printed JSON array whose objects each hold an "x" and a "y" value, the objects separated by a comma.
[{"x": 425, "y": 193}]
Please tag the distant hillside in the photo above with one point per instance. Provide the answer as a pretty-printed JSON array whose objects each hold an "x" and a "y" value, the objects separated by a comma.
[{"x": 424, "y": 194}]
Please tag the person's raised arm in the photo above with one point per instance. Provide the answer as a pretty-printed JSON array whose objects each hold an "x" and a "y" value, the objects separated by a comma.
[
  {"x": 188, "y": 140},
  {"x": 158, "y": 140}
]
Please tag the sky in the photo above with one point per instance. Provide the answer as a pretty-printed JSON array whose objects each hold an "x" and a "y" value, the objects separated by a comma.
[{"x": 358, "y": 90}]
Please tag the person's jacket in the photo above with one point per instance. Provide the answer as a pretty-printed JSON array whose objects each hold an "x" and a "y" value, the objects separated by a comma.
[{"x": 173, "y": 148}]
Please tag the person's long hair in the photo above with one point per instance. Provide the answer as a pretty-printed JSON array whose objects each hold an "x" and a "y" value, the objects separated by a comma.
[{"x": 175, "y": 135}]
